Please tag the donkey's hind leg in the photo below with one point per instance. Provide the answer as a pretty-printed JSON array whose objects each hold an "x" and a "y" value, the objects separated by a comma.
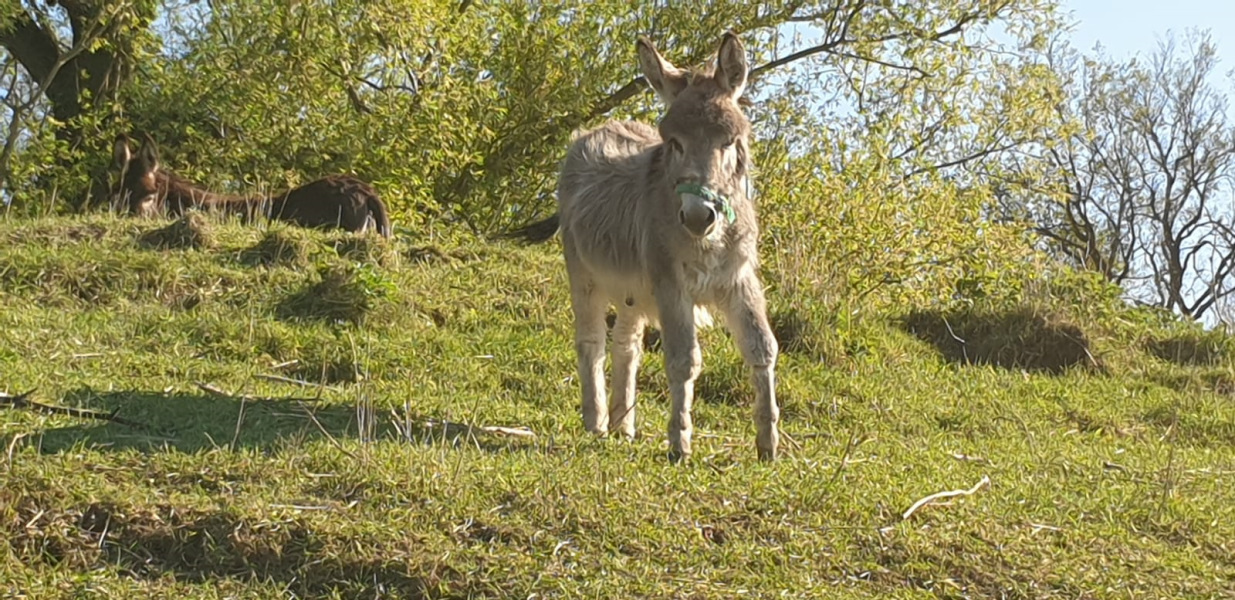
[
  {"x": 746, "y": 314},
  {"x": 589, "y": 306},
  {"x": 627, "y": 350}
]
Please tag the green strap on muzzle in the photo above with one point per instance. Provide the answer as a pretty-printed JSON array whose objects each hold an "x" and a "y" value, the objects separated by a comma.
[{"x": 710, "y": 195}]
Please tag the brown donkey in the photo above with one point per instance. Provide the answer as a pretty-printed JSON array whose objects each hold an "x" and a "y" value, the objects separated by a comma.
[
  {"x": 657, "y": 221},
  {"x": 334, "y": 201}
]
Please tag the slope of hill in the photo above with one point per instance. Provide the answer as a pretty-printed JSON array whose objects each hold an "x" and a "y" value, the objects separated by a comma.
[{"x": 1109, "y": 445}]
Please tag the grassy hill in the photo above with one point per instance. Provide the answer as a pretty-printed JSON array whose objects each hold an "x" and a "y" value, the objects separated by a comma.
[{"x": 1108, "y": 441}]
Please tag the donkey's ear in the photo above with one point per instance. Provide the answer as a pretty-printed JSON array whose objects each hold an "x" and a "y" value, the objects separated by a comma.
[
  {"x": 121, "y": 152},
  {"x": 149, "y": 153},
  {"x": 666, "y": 79},
  {"x": 731, "y": 69}
]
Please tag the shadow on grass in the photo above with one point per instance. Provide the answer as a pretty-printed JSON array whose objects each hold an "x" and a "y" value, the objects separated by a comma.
[
  {"x": 1206, "y": 348},
  {"x": 192, "y": 422},
  {"x": 345, "y": 293},
  {"x": 150, "y": 543},
  {"x": 1015, "y": 339}
]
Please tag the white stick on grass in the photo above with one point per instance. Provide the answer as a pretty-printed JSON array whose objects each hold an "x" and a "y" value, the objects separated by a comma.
[{"x": 949, "y": 494}]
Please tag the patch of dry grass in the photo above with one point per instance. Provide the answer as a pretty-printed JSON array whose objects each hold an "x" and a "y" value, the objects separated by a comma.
[
  {"x": 192, "y": 231},
  {"x": 284, "y": 246}
]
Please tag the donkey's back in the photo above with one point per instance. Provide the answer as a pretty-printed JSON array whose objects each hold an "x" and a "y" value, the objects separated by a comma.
[
  {"x": 334, "y": 201},
  {"x": 601, "y": 194}
]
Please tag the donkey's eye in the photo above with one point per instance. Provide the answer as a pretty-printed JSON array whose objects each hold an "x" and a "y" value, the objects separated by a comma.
[
  {"x": 675, "y": 147},
  {"x": 730, "y": 143}
]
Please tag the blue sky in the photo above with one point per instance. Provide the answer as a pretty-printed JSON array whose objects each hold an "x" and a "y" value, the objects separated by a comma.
[{"x": 1125, "y": 27}]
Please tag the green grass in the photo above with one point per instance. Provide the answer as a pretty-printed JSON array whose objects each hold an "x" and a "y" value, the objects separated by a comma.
[{"x": 1110, "y": 482}]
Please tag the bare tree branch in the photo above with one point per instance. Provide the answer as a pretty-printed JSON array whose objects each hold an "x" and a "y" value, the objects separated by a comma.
[{"x": 1154, "y": 156}]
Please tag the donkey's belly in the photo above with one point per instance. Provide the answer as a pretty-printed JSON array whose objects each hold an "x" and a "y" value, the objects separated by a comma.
[
  {"x": 632, "y": 290},
  {"x": 606, "y": 239}
]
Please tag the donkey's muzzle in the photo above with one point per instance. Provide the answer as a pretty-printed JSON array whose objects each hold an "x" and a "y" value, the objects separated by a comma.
[{"x": 698, "y": 215}]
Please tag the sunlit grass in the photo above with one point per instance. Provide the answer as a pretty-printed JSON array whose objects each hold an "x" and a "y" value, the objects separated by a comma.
[{"x": 1112, "y": 482}]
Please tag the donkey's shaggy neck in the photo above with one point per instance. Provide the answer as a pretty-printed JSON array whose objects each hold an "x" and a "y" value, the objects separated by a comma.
[{"x": 180, "y": 194}]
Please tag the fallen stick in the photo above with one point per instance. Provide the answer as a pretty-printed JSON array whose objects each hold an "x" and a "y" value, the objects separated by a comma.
[
  {"x": 216, "y": 390},
  {"x": 322, "y": 428},
  {"x": 522, "y": 432},
  {"x": 351, "y": 504},
  {"x": 24, "y": 401},
  {"x": 299, "y": 382},
  {"x": 511, "y": 431},
  {"x": 853, "y": 442},
  {"x": 970, "y": 458},
  {"x": 949, "y": 494}
]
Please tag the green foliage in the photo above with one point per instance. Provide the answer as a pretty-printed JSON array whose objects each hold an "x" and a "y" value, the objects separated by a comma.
[
  {"x": 433, "y": 101},
  {"x": 466, "y": 107},
  {"x": 34, "y": 160},
  {"x": 860, "y": 232}
]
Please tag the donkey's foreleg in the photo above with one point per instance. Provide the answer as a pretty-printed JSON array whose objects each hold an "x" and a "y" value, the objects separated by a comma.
[
  {"x": 683, "y": 362},
  {"x": 627, "y": 350},
  {"x": 589, "y": 308},
  {"x": 746, "y": 313}
]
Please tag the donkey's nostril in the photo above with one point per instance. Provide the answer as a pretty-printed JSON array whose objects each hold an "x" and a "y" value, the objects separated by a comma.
[
  {"x": 682, "y": 216},
  {"x": 711, "y": 216}
]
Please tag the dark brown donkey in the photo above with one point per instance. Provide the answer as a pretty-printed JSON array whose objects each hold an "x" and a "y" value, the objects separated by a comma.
[{"x": 334, "y": 201}]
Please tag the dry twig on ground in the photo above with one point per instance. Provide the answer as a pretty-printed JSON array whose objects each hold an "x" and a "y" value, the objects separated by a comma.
[
  {"x": 24, "y": 401},
  {"x": 949, "y": 494}
]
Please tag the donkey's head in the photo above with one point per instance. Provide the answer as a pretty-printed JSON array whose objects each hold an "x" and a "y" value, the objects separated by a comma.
[
  {"x": 137, "y": 187},
  {"x": 706, "y": 135}
]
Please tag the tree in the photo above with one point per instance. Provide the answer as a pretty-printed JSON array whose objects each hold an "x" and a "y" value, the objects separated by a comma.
[
  {"x": 1144, "y": 180},
  {"x": 75, "y": 55},
  {"x": 468, "y": 105}
]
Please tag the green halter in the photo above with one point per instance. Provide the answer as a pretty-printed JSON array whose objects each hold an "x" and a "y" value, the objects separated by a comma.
[{"x": 710, "y": 195}]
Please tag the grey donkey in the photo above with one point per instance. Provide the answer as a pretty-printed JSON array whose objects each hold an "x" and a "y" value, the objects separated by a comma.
[{"x": 657, "y": 222}]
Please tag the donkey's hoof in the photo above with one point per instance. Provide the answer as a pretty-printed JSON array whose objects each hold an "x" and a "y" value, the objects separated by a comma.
[
  {"x": 679, "y": 452},
  {"x": 767, "y": 454}
]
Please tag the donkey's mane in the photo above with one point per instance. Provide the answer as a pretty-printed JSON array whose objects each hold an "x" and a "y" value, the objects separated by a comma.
[
  {"x": 707, "y": 69},
  {"x": 181, "y": 191}
]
